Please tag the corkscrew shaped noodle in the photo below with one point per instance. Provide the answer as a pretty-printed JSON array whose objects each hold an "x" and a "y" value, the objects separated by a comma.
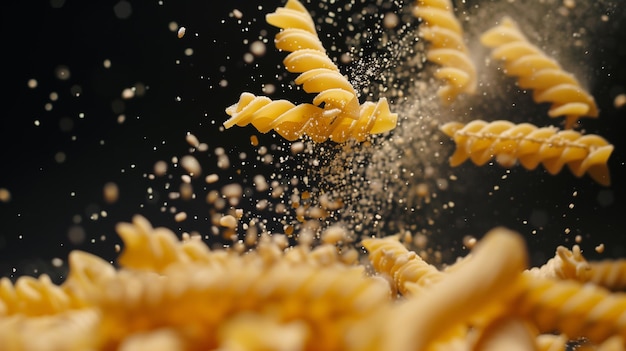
[
  {"x": 460, "y": 296},
  {"x": 443, "y": 31},
  {"x": 293, "y": 121},
  {"x": 335, "y": 112},
  {"x": 574, "y": 309},
  {"x": 318, "y": 73},
  {"x": 407, "y": 270},
  {"x": 610, "y": 274},
  {"x": 566, "y": 264},
  {"x": 530, "y": 146},
  {"x": 536, "y": 71}
]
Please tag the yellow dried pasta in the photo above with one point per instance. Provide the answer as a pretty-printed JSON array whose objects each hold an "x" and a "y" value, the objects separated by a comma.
[
  {"x": 407, "y": 270},
  {"x": 531, "y": 146},
  {"x": 335, "y": 112},
  {"x": 444, "y": 32},
  {"x": 536, "y": 71},
  {"x": 610, "y": 274},
  {"x": 318, "y": 73},
  {"x": 293, "y": 121},
  {"x": 566, "y": 264},
  {"x": 574, "y": 309}
]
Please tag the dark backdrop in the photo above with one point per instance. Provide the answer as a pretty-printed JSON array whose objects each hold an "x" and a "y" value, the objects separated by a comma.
[{"x": 56, "y": 153}]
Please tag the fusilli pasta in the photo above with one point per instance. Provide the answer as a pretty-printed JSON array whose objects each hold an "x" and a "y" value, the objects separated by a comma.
[
  {"x": 390, "y": 256},
  {"x": 509, "y": 143},
  {"x": 318, "y": 72},
  {"x": 292, "y": 121},
  {"x": 574, "y": 309},
  {"x": 335, "y": 113},
  {"x": 444, "y": 32},
  {"x": 536, "y": 71}
]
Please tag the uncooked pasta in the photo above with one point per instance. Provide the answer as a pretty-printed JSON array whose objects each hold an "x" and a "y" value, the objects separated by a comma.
[
  {"x": 335, "y": 112},
  {"x": 531, "y": 146},
  {"x": 537, "y": 71},
  {"x": 444, "y": 32}
]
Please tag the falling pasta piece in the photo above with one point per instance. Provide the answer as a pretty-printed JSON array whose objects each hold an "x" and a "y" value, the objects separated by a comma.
[
  {"x": 294, "y": 121},
  {"x": 529, "y": 145},
  {"x": 443, "y": 31},
  {"x": 318, "y": 73},
  {"x": 407, "y": 270},
  {"x": 540, "y": 73},
  {"x": 335, "y": 112}
]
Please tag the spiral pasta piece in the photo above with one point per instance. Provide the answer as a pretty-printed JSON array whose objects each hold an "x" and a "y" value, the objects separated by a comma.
[
  {"x": 459, "y": 297},
  {"x": 444, "y": 32},
  {"x": 195, "y": 297},
  {"x": 574, "y": 309},
  {"x": 531, "y": 146},
  {"x": 540, "y": 73},
  {"x": 318, "y": 73},
  {"x": 293, "y": 121},
  {"x": 32, "y": 297},
  {"x": 407, "y": 270},
  {"x": 335, "y": 112},
  {"x": 566, "y": 264},
  {"x": 610, "y": 274}
]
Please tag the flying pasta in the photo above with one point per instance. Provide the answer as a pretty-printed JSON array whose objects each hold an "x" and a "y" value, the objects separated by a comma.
[
  {"x": 531, "y": 146},
  {"x": 292, "y": 121},
  {"x": 540, "y": 73},
  {"x": 335, "y": 112},
  {"x": 443, "y": 31}
]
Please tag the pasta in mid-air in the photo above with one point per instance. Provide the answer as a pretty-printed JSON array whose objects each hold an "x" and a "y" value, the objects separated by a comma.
[
  {"x": 444, "y": 32},
  {"x": 540, "y": 73},
  {"x": 335, "y": 112},
  {"x": 531, "y": 146}
]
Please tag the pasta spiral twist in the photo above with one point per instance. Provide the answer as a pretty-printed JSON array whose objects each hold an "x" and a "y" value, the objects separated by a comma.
[
  {"x": 390, "y": 256},
  {"x": 566, "y": 264},
  {"x": 531, "y": 146},
  {"x": 318, "y": 73},
  {"x": 536, "y": 71},
  {"x": 335, "y": 112},
  {"x": 197, "y": 297},
  {"x": 572, "y": 308},
  {"x": 610, "y": 274},
  {"x": 443, "y": 31},
  {"x": 32, "y": 297},
  {"x": 292, "y": 121}
]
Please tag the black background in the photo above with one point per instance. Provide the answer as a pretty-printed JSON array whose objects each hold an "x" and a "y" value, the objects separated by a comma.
[{"x": 184, "y": 95}]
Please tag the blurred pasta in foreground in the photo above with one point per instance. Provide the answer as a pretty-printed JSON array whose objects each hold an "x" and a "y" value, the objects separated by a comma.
[{"x": 171, "y": 294}]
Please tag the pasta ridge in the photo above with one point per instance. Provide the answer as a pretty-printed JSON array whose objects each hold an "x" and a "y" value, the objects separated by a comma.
[
  {"x": 540, "y": 73},
  {"x": 531, "y": 146},
  {"x": 444, "y": 32}
]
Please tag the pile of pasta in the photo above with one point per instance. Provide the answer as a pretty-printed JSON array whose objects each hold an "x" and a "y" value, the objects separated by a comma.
[
  {"x": 335, "y": 112},
  {"x": 164, "y": 293}
]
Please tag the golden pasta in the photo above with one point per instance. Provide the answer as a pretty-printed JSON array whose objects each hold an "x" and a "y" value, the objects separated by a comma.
[
  {"x": 407, "y": 270},
  {"x": 531, "y": 146},
  {"x": 574, "y": 309},
  {"x": 444, "y": 32},
  {"x": 188, "y": 297},
  {"x": 335, "y": 112},
  {"x": 536, "y": 71},
  {"x": 292, "y": 121}
]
